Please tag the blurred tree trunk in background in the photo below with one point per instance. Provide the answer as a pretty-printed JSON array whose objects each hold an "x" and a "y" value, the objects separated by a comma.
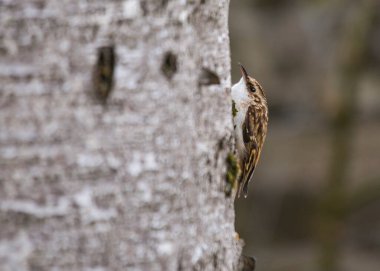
[
  {"x": 114, "y": 131},
  {"x": 335, "y": 203}
]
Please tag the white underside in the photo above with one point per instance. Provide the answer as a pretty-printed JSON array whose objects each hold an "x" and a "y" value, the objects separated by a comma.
[{"x": 240, "y": 96}]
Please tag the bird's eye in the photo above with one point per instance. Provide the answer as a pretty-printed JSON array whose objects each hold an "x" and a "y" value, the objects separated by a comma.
[{"x": 252, "y": 88}]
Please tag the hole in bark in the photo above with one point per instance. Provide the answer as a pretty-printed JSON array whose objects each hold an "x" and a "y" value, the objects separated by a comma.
[
  {"x": 148, "y": 6},
  {"x": 169, "y": 65},
  {"x": 164, "y": 3},
  {"x": 215, "y": 261},
  {"x": 208, "y": 77},
  {"x": 103, "y": 72}
]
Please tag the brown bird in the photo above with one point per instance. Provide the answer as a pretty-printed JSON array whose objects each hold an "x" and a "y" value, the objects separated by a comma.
[{"x": 250, "y": 116}]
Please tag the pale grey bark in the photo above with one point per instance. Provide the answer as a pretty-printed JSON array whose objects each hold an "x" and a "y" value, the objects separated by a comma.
[{"x": 132, "y": 182}]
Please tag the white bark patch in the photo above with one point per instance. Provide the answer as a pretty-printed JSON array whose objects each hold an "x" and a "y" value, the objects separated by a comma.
[
  {"x": 135, "y": 167},
  {"x": 142, "y": 162},
  {"x": 89, "y": 160},
  {"x": 131, "y": 9},
  {"x": 36, "y": 210},
  {"x": 150, "y": 162},
  {"x": 165, "y": 248},
  {"x": 14, "y": 252},
  {"x": 90, "y": 212}
]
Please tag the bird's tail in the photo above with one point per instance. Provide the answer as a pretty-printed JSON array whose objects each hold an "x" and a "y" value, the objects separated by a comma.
[
  {"x": 242, "y": 186},
  {"x": 243, "y": 183},
  {"x": 242, "y": 189}
]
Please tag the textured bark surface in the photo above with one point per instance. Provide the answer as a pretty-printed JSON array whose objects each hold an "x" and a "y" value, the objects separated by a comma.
[{"x": 132, "y": 183}]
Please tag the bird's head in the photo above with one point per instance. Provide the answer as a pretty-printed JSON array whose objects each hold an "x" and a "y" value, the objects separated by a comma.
[{"x": 251, "y": 83}]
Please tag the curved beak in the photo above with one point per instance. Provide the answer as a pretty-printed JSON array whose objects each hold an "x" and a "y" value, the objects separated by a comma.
[{"x": 243, "y": 72}]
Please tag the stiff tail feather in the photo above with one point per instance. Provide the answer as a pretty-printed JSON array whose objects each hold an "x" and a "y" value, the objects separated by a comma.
[
  {"x": 240, "y": 186},
  {"x": 243, "y": 183}
]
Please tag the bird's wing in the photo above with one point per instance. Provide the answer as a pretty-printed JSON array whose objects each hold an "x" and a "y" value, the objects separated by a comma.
[{"x": 250, "y": 129}]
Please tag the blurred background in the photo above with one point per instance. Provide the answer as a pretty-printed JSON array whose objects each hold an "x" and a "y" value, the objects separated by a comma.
[{"x": 315, "y": 200}]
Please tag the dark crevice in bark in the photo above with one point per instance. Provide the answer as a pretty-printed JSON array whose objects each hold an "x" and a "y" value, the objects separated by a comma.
[{"x": 103, "y": 73}]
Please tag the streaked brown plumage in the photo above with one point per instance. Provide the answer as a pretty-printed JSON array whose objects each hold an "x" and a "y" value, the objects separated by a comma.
[{"x": 250, "y": 124}]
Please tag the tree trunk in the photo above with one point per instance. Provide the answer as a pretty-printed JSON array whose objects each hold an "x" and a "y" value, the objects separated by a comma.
[{"x": 115, "y": 127}]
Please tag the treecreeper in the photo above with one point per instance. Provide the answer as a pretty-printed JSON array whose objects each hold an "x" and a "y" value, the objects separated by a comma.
[{"x": 250, "y": 118}]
